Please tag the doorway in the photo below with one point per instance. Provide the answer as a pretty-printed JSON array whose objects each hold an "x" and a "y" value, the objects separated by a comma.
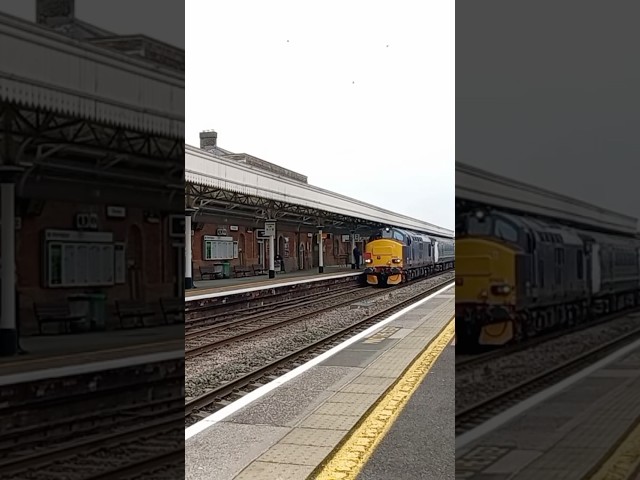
[{"x": 241, "y": 251}]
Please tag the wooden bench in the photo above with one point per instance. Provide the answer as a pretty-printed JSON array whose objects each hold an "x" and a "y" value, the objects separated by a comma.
[
  {"x": 172, "y": 308},
  {"x": 258, "y": 269},
  {"x": 133, "y": 309},
  {"x": 244, "y": 271},
  {"x": 55, "y": 313},
  {"x": 214, "y": 271},
  {"x": 344, "y": 258}
]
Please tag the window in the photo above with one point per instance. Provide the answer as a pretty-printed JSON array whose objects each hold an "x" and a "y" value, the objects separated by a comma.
[
  {"x": 219, "y": 248},
  {"x": 398, "y": 236},
  {"x": 580, "y": 265},
  {"x": 477, "y": 227},
  {"x": 506, "y": 231},
  {"x": 559, "y": 258}
]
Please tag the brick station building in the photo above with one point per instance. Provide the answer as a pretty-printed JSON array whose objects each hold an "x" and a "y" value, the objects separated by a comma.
[
  {"x": 296, "y": 245},
  {"x": 98, "y": 188}
]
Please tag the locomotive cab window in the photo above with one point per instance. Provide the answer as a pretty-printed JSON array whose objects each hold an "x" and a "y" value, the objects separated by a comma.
[
  {"x": 506, "y": 231},
  {"x": 479, "y": 226}
]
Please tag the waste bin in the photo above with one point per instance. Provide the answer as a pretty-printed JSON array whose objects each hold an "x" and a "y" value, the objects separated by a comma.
[
  {"x": 79, "y": 306},
  {"x": 92, "y": 307},
  {"x": 98, "y": 310},
  {"x": 226, "y": 270}
]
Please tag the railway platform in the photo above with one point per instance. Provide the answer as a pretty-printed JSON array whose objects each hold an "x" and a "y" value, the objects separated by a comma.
[
  {"x": 331, "y": 420},
  {"x": 61, "y": 351},
  {"x": 205, "y": 287},
  {"x": 587, "y": 426}
]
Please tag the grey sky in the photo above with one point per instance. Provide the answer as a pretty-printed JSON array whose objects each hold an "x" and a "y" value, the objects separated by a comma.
[
  {"x": 548, "y": 94},
  {"x": 358, "y": 96},
  {"x": 161, "y": 20}
]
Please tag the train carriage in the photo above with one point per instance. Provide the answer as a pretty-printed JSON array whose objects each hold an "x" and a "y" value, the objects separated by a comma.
[{"x": 519, "y": 276}]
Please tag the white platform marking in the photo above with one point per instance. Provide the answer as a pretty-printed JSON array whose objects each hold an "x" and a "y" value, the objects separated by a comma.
[{"x": 71, "y": 370}]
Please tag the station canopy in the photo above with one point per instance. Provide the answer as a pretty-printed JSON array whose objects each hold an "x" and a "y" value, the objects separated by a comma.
[
  {"x": 476, "y": 187},
  {"x": 106, "y": 121},
  {"x": 238, "y": 186}
]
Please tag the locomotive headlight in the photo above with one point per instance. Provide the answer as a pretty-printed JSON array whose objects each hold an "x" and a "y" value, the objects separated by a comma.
[
  {"x": 501, "y": 289},
  {"x": 368, "y": 260},
  {"x": 396, "y": 260}
]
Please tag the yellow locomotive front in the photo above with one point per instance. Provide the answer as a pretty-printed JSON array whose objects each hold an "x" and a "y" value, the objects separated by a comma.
[
  {"x": 383, "y": 262},
  {"x": 486, "y": 294}
]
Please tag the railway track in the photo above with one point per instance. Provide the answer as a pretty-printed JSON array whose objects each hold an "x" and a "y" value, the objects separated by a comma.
[
  {"x": 88, "y": 457},
  {"x": 216, "y": 315},
  {"x": 78, "y": 426},
  {"x": 216, "y": 336},
  {"x": 222, "y": 395},
  {"x": 466, "y": 362},
  {"x": 475, "y": 415}
]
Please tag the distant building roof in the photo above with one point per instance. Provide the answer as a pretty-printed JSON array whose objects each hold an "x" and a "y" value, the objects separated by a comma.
[
  {"x": 59, "y": 15},
  {"x": 209, "y": 143}
]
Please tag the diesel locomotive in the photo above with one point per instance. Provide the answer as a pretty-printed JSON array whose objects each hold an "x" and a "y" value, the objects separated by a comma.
[
  {"x": 518, "y": 276},
  {"x": 393, "y": 256}
]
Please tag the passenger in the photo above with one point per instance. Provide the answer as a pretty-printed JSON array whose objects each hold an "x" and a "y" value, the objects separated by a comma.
[{"x": 356, "y": 257}]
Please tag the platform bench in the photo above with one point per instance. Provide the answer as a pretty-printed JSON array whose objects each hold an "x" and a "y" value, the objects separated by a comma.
[
  {"x": 258, "y": 269},
  {"x": 244, "y": 271},
  {"x": 172, "y": 308},
  {"x": 214, "y": 271},
  {"x": 344, "y": 259},
  {"x": 133, "y": 309},
  {"x": 55, "y": 313}
]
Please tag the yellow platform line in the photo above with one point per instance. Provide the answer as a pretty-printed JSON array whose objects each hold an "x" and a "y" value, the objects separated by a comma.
[
  {"x": 625, "y": 459},
  {"x": 348, "y": 459}
]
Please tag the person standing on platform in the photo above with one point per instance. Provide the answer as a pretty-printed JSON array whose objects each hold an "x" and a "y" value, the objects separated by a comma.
[{"x": 356, "y": 257}]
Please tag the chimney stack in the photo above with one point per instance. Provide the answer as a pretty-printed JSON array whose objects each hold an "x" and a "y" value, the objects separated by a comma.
[
  {"x": 54, "y": 12},
  {"x": 208, "y": 139}
]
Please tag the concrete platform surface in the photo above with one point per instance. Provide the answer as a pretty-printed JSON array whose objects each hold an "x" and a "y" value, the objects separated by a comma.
[
  {"x": 53, "y": 351},
  {"x": 230, "y": 284},
  {"x": 570, "y": 435},
  {"x": 292, "y": 430},
  {"x": 421, "y": 442}
]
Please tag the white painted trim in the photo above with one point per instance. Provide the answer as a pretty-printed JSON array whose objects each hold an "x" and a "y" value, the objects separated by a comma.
[
  {"x": 517, "y": 410},
  {"x": 71, "y": 370},
  {"x": 260, "y": 392},
  {"x": 267, "y": 286}
]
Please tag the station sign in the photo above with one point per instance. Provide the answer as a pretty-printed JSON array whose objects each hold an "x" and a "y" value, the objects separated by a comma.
[
  {"x": 356, "y": 237},
  {"x": 176, "y": 226},
  {"x": 270, "y": 229}
]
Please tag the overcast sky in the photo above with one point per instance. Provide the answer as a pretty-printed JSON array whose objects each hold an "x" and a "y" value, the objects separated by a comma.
[
  {"x": 358, "y": 96},
  {"x": 548, "y": 93}
]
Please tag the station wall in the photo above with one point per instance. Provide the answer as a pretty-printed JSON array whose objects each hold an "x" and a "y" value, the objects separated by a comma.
[
  {"x": 125, "y": 253},
  {"x": 299, "y": 250}
]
